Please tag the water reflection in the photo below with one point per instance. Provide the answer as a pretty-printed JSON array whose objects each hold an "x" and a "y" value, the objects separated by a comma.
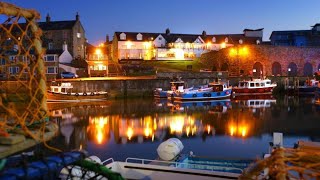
[{"x": 143, "y": 122}]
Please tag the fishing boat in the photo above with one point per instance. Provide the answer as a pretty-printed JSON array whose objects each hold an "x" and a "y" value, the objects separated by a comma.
[
  {"x": 63, "y": 93},
  {"x": 254, "y": 87},
  {"x": 215, "y": 91},
  {"x": 175, "y": 85},
  {"x": 309, "y": 86}
]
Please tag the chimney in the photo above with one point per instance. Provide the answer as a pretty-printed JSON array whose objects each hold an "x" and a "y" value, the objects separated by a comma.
[
  {"x": 167, "y": 31},
  {"x": 77, "y": 17},
  {"x": 65, "y": 47},
  {"x": 204, "y": 33},
  {"x": 48, "y": 18},
  {"x": 107, "y": 38}
]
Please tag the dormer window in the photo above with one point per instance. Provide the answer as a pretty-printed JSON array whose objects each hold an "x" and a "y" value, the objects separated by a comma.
[
  {"x": 214, "y": 39},
  {"x": 240, "y": 41},
  {"x": 139, "y": 37},
  {"x": 123, "y": 36},
  {"x": 226, "y": 40}
]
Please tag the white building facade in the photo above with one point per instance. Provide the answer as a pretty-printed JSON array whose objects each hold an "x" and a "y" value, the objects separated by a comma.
[{"x": 167, "y": 46}]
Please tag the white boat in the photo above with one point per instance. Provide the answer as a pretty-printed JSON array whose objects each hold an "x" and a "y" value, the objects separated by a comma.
[
  {"x": 254, "y": 87},
  {"x": 63, "y": 93}
]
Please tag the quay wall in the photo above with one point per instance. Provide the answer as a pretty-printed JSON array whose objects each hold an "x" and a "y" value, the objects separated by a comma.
[{"x": 122, "y": 87}]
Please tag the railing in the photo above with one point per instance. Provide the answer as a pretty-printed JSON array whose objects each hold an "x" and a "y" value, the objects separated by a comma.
[
  {"x": 107, "y": 160},
  {"x": 180, "y": 164}
]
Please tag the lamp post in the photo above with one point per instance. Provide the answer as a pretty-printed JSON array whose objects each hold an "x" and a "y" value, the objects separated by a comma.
[{"x": 238, "y": 52}]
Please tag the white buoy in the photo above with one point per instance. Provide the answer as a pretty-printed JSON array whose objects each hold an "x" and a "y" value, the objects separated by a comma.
[{"x": 169, "y": 149}]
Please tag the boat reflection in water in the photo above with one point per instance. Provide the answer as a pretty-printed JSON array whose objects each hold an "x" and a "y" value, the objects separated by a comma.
[{"x": 211, "y": 128}]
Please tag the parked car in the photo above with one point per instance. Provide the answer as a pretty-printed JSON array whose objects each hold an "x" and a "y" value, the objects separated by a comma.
[{"x": 68, "y": 75}]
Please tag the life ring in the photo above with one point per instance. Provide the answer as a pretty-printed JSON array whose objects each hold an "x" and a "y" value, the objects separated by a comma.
[
  {"x": 209, "y": 94},
  {"x": 194, "y": 95},
  {"x": 92, "y": 93},
  {"x": 69, "y": 93},
  {"x": 227, "y": 92},
  {"x": 77, "y": 94},
  {"x": 84, "y": 94}
]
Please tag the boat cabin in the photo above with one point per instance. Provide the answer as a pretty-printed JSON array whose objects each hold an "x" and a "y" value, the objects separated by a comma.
[
  {"x": 254, "y": 83},
  {"x": 63, "y": 88},
  {"x": 177, "y": 85},
  {"x": 312, "y": 82},
  {"x": 217, "y": 87}
]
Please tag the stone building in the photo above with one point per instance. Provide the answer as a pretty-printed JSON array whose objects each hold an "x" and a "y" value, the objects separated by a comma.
[
  {"x": 262, "y": 60},
  {"x": 300, "y": 38},
  {"x": 71, "y": 32}
]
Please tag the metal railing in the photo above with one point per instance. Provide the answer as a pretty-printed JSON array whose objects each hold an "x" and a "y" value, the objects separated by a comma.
[{"x": 181, "y": 164}]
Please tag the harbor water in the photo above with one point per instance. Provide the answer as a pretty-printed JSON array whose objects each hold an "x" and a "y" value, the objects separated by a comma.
[{"x": 230, "y": 129}]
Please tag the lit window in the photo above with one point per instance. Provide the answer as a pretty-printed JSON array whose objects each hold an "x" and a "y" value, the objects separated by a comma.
[
  {"x": 226, "y": 40},
  {"x": 78, "y": 35},
  {"x": 214, "y": 39}
]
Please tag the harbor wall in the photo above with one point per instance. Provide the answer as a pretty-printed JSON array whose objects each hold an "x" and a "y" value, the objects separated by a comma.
[{"x": 121, "y": 87}]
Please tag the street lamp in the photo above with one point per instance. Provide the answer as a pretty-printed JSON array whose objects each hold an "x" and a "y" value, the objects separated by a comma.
[{"x": 238, "y": 52}]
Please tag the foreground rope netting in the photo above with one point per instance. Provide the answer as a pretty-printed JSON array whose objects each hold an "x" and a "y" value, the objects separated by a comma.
[
  {"x": 22, "y": 76},
  {"x": 286, "y": 164}
]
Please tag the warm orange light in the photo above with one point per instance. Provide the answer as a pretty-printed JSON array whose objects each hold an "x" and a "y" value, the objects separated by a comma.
[
  {"x": 223, "y": 45},
  {"x": 98, "y": 51},
  {"x": 129, "y": 44},
  {"x": 129, "y": 133},
  {"x": 238, "y": 130},
  {"x": 233, "y": 52},
  {"x": 147, "y": 131},
  {"x": 208, "y": 129},
  {"x": 243, "y": 51}
]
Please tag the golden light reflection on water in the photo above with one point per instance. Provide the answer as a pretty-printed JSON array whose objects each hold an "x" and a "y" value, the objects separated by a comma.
[
  {"x": 238, "y": 129},
  {"x": 150, "y": 128}
]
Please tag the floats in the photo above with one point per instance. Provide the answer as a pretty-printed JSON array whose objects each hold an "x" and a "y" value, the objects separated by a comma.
[{"x": 63, "y": 93}]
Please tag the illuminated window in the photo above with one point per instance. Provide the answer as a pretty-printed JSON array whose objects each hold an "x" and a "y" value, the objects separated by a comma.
[
  {"x": 78, "y": 35},
  {"x": 226, "y": 40},
  {"x": 214, "y": 39}
]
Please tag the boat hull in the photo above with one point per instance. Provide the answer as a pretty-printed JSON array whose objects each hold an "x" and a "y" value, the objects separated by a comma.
[
  {"x": 160, "y": 94},
  {"x": 76, "y": 97},
  {"x": 252, "y": 91},
  {"x": 196, "y": 96}
]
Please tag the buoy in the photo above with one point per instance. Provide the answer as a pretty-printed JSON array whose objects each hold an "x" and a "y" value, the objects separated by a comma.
[{"x": 169, "y": 149}]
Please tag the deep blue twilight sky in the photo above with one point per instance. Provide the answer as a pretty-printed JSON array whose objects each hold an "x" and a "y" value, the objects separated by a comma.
[{"x": 101, "y": 17}]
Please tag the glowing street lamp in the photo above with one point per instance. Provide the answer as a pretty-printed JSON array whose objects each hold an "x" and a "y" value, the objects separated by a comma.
[{"x": 237, "y": 52}]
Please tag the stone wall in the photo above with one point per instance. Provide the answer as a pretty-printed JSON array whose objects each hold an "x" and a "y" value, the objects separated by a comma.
[{"x": 267, "y": 56}]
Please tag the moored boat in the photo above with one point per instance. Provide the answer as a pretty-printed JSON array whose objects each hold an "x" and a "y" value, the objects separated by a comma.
[
  {"x": 175, "y": 85},
  {"x": 216, "y": 91},
  {"x": 63, "y": 93},
  {"x": 254, "y": 87}
]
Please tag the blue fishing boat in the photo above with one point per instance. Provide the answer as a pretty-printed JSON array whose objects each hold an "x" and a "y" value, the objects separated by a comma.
[{"x": 217, "y": 91}]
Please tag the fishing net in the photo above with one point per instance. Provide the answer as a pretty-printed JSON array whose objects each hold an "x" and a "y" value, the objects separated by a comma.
[
  {"x": 22, "y": 72},
  {"x": 286, "y": 164}
]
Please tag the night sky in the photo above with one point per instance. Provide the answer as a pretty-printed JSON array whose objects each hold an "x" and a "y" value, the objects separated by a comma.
[{"x": 101, "y": 17}]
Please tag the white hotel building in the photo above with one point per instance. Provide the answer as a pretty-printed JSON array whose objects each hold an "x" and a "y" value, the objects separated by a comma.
[{"x": 167, "y": 46}]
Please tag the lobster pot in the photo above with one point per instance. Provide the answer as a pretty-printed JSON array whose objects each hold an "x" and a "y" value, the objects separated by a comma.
[{"x": 169, "y": 149}]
